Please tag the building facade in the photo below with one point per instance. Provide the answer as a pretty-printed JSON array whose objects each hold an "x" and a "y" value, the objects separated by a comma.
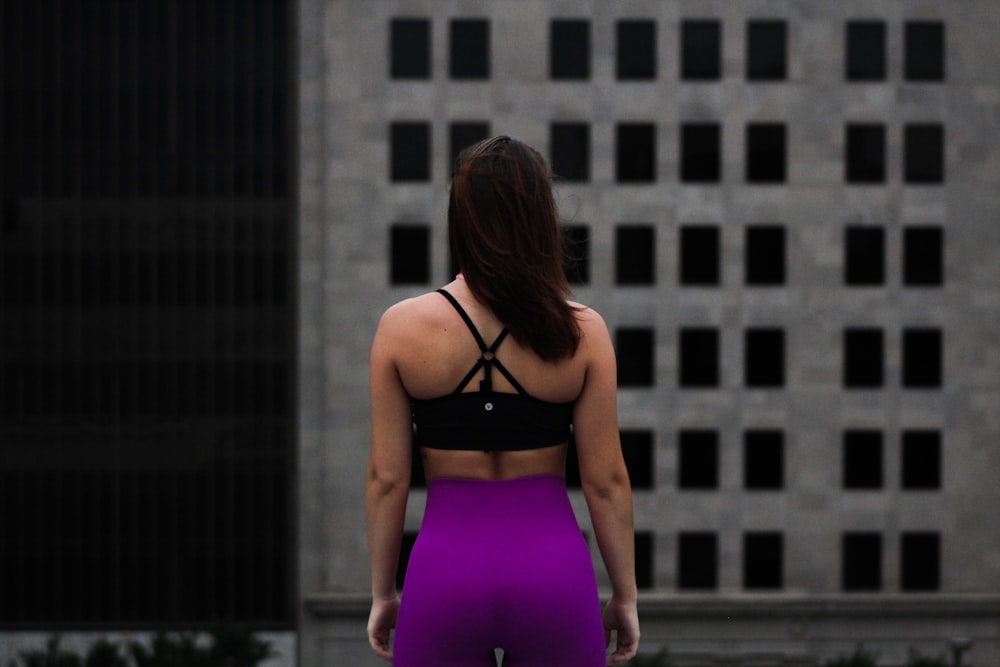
[{"x": 787, "y": 213}]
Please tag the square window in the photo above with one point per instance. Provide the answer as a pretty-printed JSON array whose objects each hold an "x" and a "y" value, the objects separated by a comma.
[
  {"x": 764, "y": 357},
  {"x": 697, "y": 561},
  {"x": 921, "y": 460},
  {"x": 569, "y": 49},
  {"x": 635, "y": 351},
  {"x": 697, "y": 459},
  {"x": 409, "y": 252},
  {"x": 764, "y": 255},
  {"x": 699, "y": 255},
  {"x": 699, "y": 357},
  {"x": 920, "y": 561},
  {"x": 864, "y": 256},
  {"x": 701, "y": 148},
  {"x": 461, "y": 135},
  {"x": 576, "y": 254},
  {"x": 763, "y": 561},
  {"x": 701, "y": 50},
  {"x": 635, "y": 43},
  {"x": 635, "y": 153},
  {"x": 862, "y": 459},
  {"x": 644, "y": 570},
  {"x": 863, "y": 358},
  {"x": 861, "y": 562},
  {"x": 410, "y": 41},
  {"x": 923, "y": 148},
  {"x": 865, "y": 57},
  {"x": 924, "y": 47},
  {"x": 637, "y": 448},
  {"x": 865, "y": 159},
  {"x": 767, "y": 50},
  {"x": 923, "y": 256},
  {"x": 922, "y": 358},
  {"x": 410, "y": 152},
  {"x": 763, "y": 460},
  {"x": 570, "y": 144},
  {"x": 406, "y": 548},
  {"x": 765, "y": 153},
  {"x": 635, "y": 255},
  {"x": 470, "y": 49}
]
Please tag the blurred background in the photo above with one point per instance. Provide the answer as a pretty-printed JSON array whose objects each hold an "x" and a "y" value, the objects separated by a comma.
[{"x": 786, "y": 210}]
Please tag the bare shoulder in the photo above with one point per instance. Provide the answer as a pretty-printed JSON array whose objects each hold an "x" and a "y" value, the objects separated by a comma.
[
  {"x": 411, "y": 312},
  {"x": 593, "y": 329}
]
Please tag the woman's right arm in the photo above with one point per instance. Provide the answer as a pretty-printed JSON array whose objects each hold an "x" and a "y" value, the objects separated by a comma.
[{"x": 605, "y": 482}]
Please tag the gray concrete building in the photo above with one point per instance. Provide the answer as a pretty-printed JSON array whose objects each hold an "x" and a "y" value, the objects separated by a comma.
[{"x": 787, "y": 212}]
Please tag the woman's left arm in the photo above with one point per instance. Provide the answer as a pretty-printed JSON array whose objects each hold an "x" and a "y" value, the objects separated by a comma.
[{"x": 388, "y": 480}]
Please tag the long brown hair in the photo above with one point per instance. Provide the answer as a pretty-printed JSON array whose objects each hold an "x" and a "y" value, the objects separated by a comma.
[{"x": 507, "y": 241}]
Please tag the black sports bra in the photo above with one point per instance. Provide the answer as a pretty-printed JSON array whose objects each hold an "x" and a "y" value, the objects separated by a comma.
[{"x": 487, "y": 420}]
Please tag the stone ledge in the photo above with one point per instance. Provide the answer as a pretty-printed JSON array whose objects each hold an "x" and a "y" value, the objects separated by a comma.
[{"x": 352, "y": 605}]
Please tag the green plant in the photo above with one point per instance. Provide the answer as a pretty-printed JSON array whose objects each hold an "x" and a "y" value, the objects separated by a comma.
[
  {"x": 51, "y": 656},
  {"x": 918, "y": 660},
  {"x": 859, "y": 658},
  {"x": 104, "y": 653},
  {"x": 659, "y": 659},
  {"x": 238, "y": 647}
]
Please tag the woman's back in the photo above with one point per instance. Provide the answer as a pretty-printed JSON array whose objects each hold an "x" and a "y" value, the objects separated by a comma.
[{"x": 434, "y": 351}]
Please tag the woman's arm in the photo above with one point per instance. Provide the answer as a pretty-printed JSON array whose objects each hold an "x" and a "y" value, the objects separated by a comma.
[
  {"x": 605, "y": 482},
  {"x": 388, "y": 480}
]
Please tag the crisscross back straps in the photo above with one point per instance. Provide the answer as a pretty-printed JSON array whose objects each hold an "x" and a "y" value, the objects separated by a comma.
[{"x": 488, "y": 357}]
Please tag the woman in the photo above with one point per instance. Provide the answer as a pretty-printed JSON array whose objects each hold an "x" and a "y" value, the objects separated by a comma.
[{"x": 487, "y": 377}]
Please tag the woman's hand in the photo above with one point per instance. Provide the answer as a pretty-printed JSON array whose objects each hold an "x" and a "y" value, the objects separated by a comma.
[
  {"x": 622, "y": 617},
  {"x": 381, "y": 621}
]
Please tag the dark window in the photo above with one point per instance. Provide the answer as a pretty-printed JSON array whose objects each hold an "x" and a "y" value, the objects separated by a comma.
[
  {"x": 764, "y": 357},
  {"x": 920, "y": 561},
  {"x": 576, "y": 257},
  {"x": 570, "y": 144},
  {"x": 764, "y": 255},
  {"x": 923, "y": 256},
  {"x": 767, "y": 50},
  {"x": 923, "y": 148},
  {"x": 637, "y": 448},
  {"x": 699, "y": 357},
  {"x": 701, "y": 153},
  {"x": 635, "y": 153},
  {"x": 701, "y": 50},
  {"x": 409, "y": 252},
  {"x": 863, "y": 358},
  {"x": 865, "y": 57},
  {"x": 470, "y": 49},
  {"x": 697, "y": 561},
  {"x": 865, "y": 159},
  {"x": 697, "y": 459},
  {"x": 699, "y": 255},
  {"x": 922, "y": 358},
  {"x": 410, "y": 41},
  {"x": 763, "y": 561},
  {"x": 921, "y": 460},
  {"x": 644, "y": 560},
  {"x": 763, "y": 460},
  {"x": 765, "y": 153},
  {"x": 635, "y": 255},
  {"x": 924, "y": 47},
  {"x": 862, "y": 459},
  {"x": 864, "y": 256},
  {"x": 635, "y": 351},
  {"x": 569, "y": 49},
  {"x": 410, "y": 152},
  {"x": 861, "y": 562},
  {"x": 461, "y": 135},
  {"x": 635, "y": 43},
  {"x": 405, "y": 549}
]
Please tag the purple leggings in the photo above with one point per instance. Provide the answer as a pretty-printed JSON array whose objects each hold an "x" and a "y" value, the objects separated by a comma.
[{"x": 499, "y": 564}]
